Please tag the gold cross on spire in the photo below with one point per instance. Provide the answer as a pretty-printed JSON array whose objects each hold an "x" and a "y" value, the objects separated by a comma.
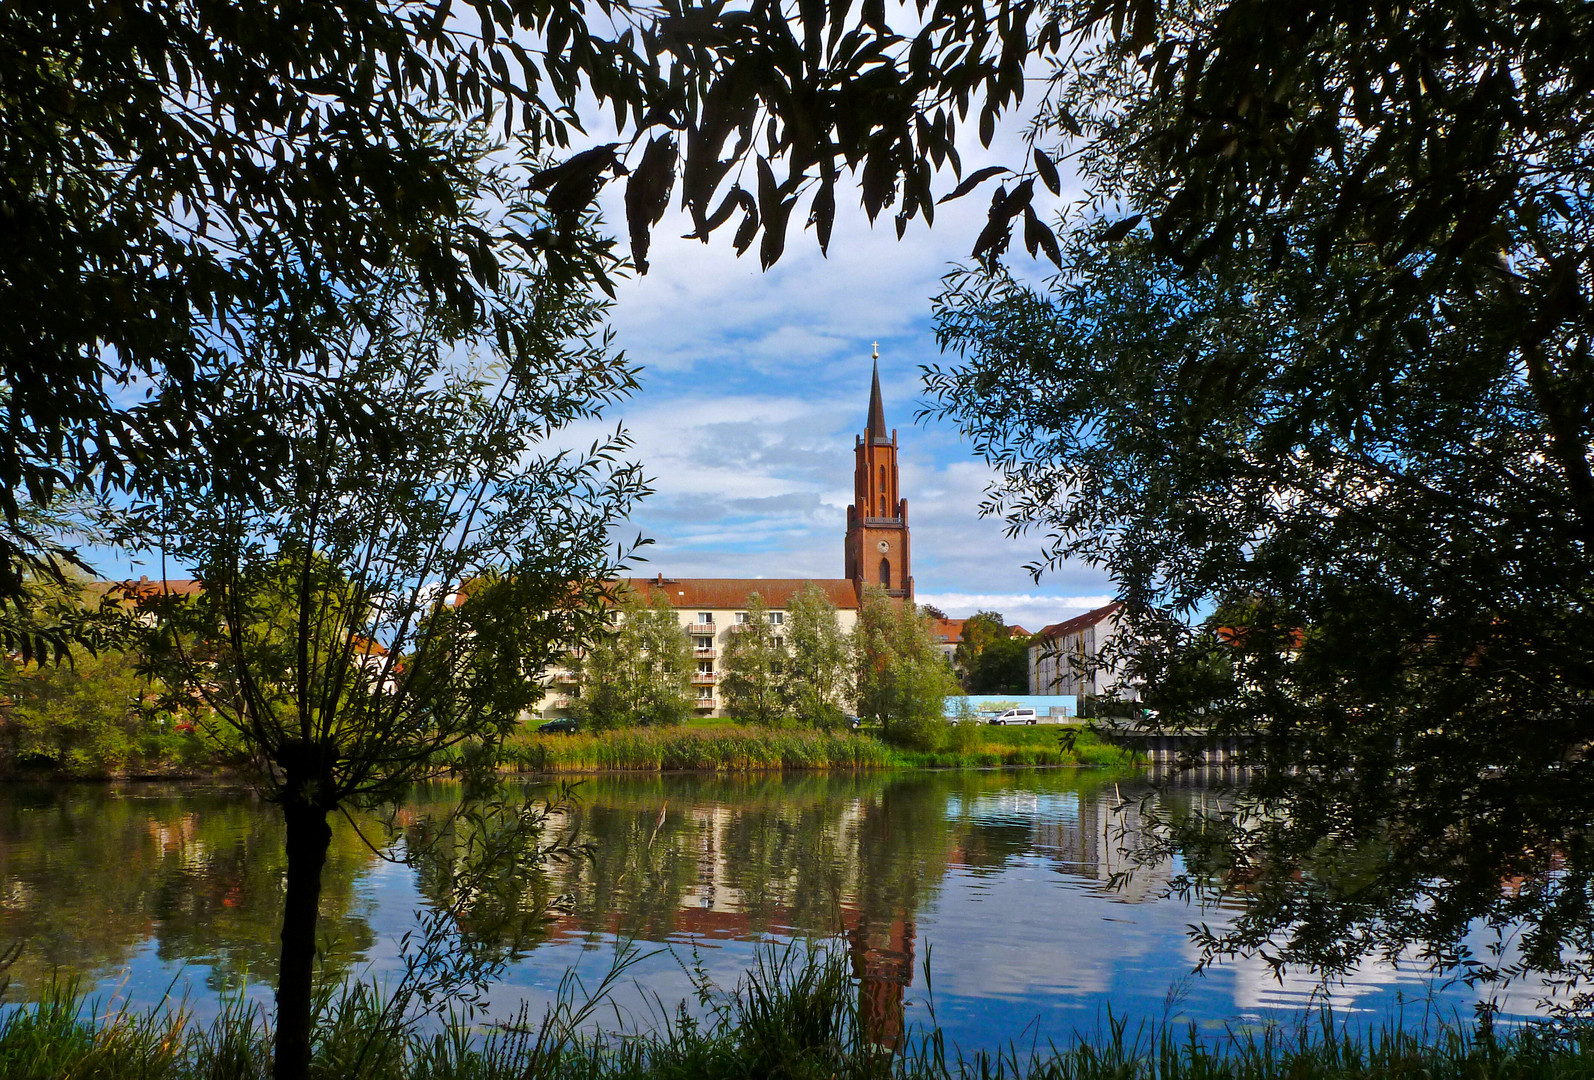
[{"x": 877, "y": 350}]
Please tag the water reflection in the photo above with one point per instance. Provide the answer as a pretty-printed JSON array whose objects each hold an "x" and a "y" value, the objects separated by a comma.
[
  {"x": 1011, "y": 878},
  {"x": 90, "y": 874}
]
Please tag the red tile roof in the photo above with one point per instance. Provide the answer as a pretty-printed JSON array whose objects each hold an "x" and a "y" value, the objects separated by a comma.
[
  {"x": 364, "y": 646},
  {"x": 947, "y": 631},
  {"x": 1236, "y": 635},
  {"x": 723, "y": 593},
  {"x": 1079, "y": 622},
  {"x": 145, "y": 589}
]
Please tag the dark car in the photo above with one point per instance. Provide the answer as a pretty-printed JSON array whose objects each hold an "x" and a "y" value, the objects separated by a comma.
[{"x": 565, "y": 725}]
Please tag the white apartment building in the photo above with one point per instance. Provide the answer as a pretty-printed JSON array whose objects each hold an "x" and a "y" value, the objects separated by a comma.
[
  {"x": 1066, "y": 657},
  {"x": 708, "y": 609}
]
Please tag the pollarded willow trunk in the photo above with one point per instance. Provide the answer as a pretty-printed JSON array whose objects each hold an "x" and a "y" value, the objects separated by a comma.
[{"x": 309, "y": 836}]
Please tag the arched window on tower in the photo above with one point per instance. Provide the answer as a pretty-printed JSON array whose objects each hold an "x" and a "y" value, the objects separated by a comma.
[{"x": 885, "y": 573}]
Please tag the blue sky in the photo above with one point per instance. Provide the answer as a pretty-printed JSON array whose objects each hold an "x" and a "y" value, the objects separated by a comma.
[{"x": 755, "y": 384}]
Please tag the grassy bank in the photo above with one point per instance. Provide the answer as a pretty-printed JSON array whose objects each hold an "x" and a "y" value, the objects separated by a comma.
[
  {"x": 788, "y": 1020},
  {"x": 732, "y": 748},
  {"x": 720, "y": 747}
]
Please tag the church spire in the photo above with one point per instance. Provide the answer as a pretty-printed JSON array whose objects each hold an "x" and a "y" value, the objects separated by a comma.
[
  {"x": 877, "y": 411},
  {"x": 877, "y": 547}
]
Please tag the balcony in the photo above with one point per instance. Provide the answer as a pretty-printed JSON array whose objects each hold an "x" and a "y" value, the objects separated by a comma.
[
  {"x": 703, "y": 703},
  {"x": 707, "y": 628},
  {"x": 703, "y": 678},
  {"x": 704, "y": 654}
]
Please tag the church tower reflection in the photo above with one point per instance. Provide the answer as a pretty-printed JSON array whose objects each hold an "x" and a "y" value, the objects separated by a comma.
[{"x": 882, "y": 961}]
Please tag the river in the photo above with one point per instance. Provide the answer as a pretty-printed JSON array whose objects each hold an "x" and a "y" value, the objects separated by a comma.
[{"x": 1001, "y": 883}]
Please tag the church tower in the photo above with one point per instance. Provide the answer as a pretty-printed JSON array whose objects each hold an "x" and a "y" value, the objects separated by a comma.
[{"x": 877, "y": 521}]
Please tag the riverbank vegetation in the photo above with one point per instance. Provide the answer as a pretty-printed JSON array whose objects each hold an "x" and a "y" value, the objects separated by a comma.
[
  {"x": 737, "y": 748},
  {"x": 792, "y": 1019}
]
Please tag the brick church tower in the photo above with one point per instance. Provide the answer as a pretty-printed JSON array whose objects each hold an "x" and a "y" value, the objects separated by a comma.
[{"x": 877, "y": 521}]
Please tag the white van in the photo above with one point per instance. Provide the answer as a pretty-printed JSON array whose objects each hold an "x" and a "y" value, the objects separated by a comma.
[{"x": 1015, "y": 716}]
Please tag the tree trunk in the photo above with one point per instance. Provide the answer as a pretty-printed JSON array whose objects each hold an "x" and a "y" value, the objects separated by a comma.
[{"x": 308, "y": 838}]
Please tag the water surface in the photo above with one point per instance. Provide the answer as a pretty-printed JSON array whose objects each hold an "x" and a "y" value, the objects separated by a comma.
[{"x": 1003, "y": 882}]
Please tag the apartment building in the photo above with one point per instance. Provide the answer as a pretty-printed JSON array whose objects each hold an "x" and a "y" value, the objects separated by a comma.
[
  {"x": 1069, "y": 657},
  {"x": 709, "y": 610}
]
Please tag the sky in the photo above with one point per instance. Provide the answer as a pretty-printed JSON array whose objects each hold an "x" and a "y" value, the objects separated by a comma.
[{"x": 755, "y": 384}]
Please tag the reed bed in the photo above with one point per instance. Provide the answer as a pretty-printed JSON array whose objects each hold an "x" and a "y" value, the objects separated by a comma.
[
  {"x": 735, "y": 749},
  {"x": 726, "y": 749},
  {"x": 792, "y": 1017},
  {"x": 998, "y": 756}
]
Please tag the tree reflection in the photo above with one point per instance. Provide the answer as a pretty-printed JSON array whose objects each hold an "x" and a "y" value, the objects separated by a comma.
[{"x": 87, "y": 875}]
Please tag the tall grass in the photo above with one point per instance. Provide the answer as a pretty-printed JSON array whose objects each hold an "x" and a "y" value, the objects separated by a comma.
[
  {"x": 793, "y": 1017},
  {"x": 746, "y": 749},
  {"x": 725, "y": 749}
]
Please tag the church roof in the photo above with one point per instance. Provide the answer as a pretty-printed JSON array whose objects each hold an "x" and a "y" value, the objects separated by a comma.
[
  {"x": 877, "y": 411},
  {"x": 723, "y": 593}
]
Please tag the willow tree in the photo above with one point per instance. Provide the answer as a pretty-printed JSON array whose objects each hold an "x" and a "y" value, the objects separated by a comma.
[
  {"x": 1314, "y": 386},
  {"x": 755, "y": 669},
  {"x": 389, "y": 602},
  {"x": 639, "y": 671},
  {"x": 900, "y": 675},
  {"x": 820, "y": 682}
]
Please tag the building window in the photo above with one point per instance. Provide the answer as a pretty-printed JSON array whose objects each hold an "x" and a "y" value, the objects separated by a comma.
[
  {"x": 705, "y": 693},
  {"x": 703, "y": 643},
  {"x": 741, "y": 618},
  {"x": 705, "y": 618},
  {"x": 777, "y": 618},
  {"x": 705, "y": 667},
  {"x": 885, "y": 573}
]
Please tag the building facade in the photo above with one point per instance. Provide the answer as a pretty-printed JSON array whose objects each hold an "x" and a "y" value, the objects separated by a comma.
[
  {"x": 1068, "y": 657},
  {"x": 708, "y": 611}
]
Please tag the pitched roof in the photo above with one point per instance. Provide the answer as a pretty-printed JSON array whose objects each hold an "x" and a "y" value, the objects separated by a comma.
[
  {"x": 144, "y": 589},
  {"x": 1017, "y": 631},
  {"x": 947, "y": 631},
  {"x": 877, "y": 411},
  {"x": 722, "y": 593},
  {"x": 1079, "y": 622},
  {"x": 364, "y": 646},
  {"x": 1236, "y": 636}
]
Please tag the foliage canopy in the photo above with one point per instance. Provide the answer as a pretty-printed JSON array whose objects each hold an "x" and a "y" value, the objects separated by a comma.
[
  {"x": 756, "y": 671},
  {"x": 640, "y": 671},
  {"x": 1318, "y": 360}
]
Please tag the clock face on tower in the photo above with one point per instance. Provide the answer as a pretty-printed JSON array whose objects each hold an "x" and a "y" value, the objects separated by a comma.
[{"x": 884, "y": 545}]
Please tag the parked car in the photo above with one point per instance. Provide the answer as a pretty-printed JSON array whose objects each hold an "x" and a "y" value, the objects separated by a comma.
[
  {"x": 565, "y": 725},
  {"x": 1014, "y": 716},
  {"x": 852, "y": 721}
]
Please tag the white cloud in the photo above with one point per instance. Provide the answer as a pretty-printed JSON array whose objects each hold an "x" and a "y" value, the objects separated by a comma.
[
  {"x": 755, "y": 384},
  {"x": 1029, "y": 610}
]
